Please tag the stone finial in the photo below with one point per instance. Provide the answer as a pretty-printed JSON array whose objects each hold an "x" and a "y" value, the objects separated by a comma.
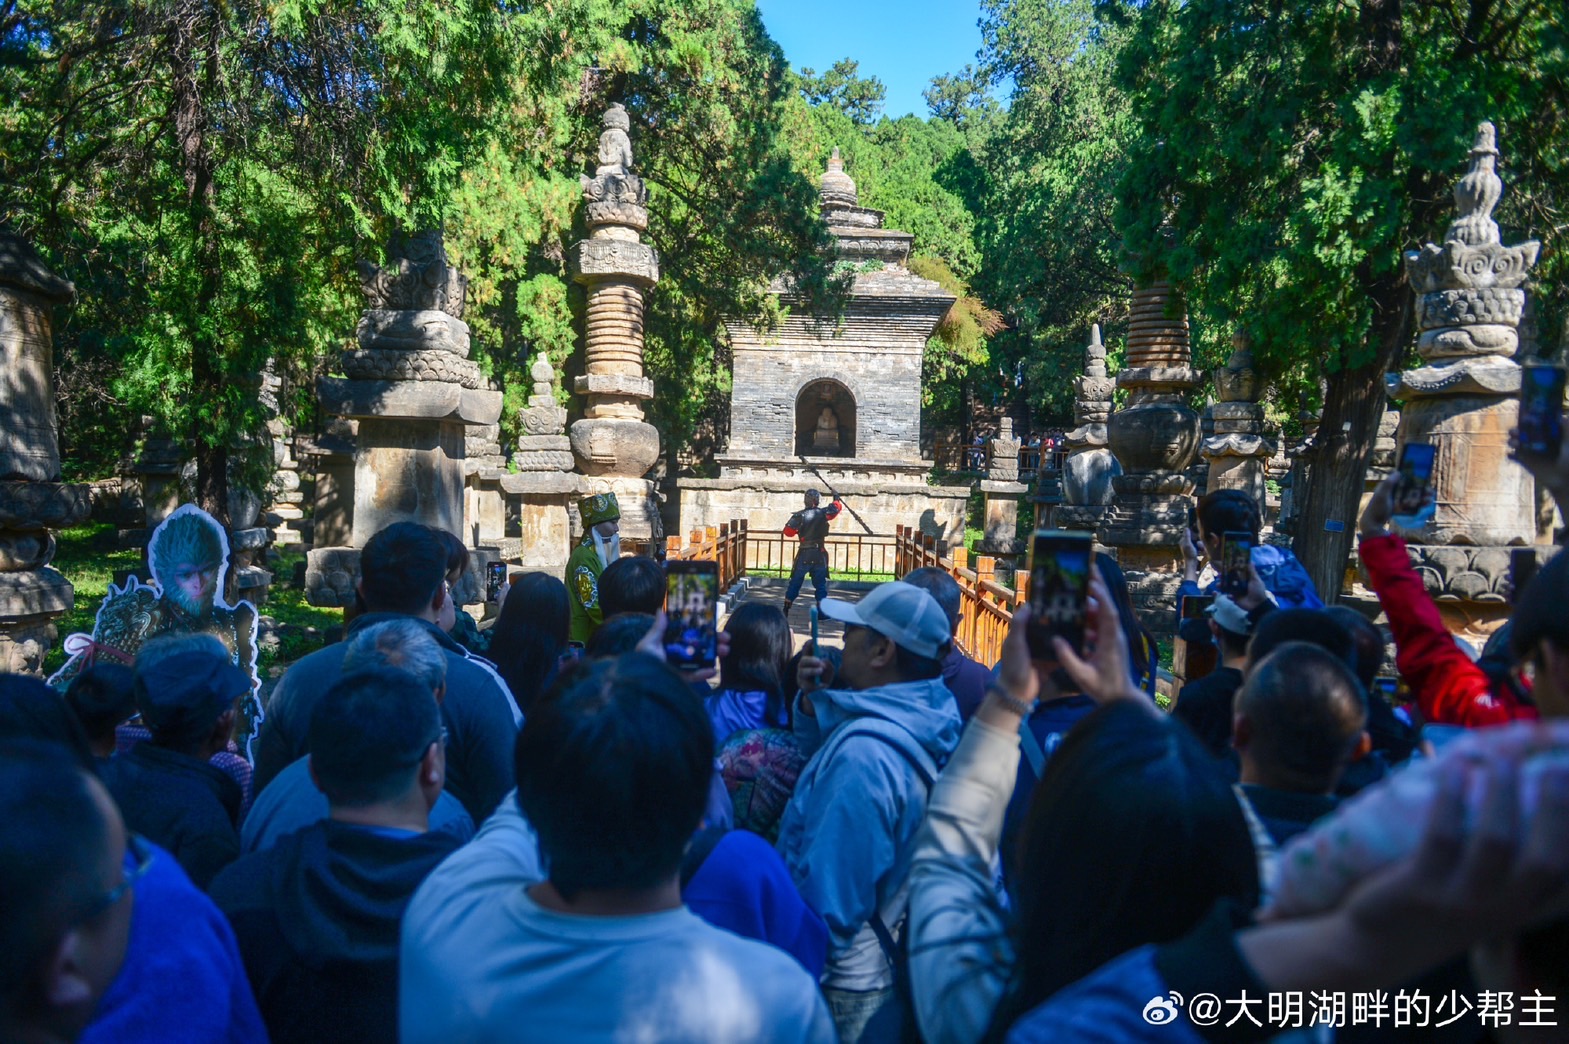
[
  {"x": 418, "y": 278},
  {"x": 615, "y": 147},
  {"x": 1472, "y": 256},
  {"x": 838, "y": 188},
  {"x": 1477, "y": 193},
  {"x": 1238, "y": 380},
  {"x": 1095, "y": 354},
  {"x": 544, "y": 377}
]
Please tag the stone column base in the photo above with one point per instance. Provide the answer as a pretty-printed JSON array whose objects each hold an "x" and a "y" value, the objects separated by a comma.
[{"x": 30, "y": 603}]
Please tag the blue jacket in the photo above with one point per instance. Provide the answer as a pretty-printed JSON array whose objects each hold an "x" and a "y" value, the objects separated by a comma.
[
  {"x": 847, "y": 831},
  {"x": 1282, "y": 575},
  {"x": 182, "y": 979},
  {"x": 743, "y": 887}
]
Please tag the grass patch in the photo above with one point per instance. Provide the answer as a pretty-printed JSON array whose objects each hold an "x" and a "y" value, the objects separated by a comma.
[{"x": 89, "y": 555}]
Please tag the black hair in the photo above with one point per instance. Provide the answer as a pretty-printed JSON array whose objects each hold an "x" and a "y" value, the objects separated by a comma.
[
  {"x": 631, "y": 585},
  {"x": 761, "y": 644},
  {"x": 618, "y": 635},
  {"x": 52, "y": 838},
  {"x": 1229, "y": 511},
  {"x": 943, "y": 588},
  {"x": 367, "y": 734},
  {"x": 1313, "y": 626},
  {"x": 401, "y": 567},
  {"x": 1539, "y": 611},
  {"x": 1367, "y": 642},
  {"x": 613, "y": 771},
  {"x": 31, "y": 710},
  {"x": 1131, "y": 836},
  {"x": 102, "y": 697},
  {"x": 1231, "y": 643},
  {"x": 529, "y": 636},
  {"x": 457, "y": 554},
  {"x": 914, "y": 667},
  {"x": 1306, "y": 711}
]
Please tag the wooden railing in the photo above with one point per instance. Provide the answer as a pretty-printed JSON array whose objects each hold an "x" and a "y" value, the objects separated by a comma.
[
  {"x": 986, "y": 607},
  {"x": 851, "y": 556},
  {"x": 725, "y": 544}
]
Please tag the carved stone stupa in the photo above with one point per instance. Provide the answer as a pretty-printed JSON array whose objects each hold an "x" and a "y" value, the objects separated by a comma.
[
  {"x": 413, "y": 389},
  {"x": 543, "y": 484},
  {"x": 613, "y": 445},
  {"x": 1090, "y": 467},
  {"x": 1239, "y": 446},
  {"x": 33, "y": 500},
  {"x": 1470, "y": 298},
  {"x": 1154, "y": 439}
]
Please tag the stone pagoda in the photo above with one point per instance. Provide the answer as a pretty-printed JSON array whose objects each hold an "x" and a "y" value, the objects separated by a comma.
[
  {"x": 33, "y": 500},
  {"x": 1239, "y": 446},
  {"x": 543, "y": 485},
  {"x": 835, "y": 400},
  {"x": 1001, "y": 490},
  {"x": 613, "y": 445},
  {"x": 1154, "y": 440},
  {"x": 413, "y": 389},
  {"x": 1090, "y": 467},
  {"x": 1470, "y": 297}
]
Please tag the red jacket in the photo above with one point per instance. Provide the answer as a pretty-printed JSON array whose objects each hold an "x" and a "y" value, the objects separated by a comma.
[{"x": 1449, "y": 688}]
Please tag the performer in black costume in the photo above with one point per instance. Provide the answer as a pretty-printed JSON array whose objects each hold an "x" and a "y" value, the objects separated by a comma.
[{"x": 811, "y": 525}]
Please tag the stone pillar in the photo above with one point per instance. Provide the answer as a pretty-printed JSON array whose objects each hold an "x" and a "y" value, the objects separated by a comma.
[
  {"x": 613, "y": 445},
  {"x": 542, "y": 487},
  {"x": 1090, "y": 467},
  {"x": 332, "y": 469},
  {"x": 1002, "y": 489},
  {"x": 412, "y": 388},
  {"x": 1238, "y": 448},
  {"x": 484, "y": 510},
  {"x": 1470, "y": 298},
  {"x": 283, "y": 513},
  {"x": 159, "y": 470},
  {"x": 1154, "y": 439},
  {"x": 33, "y": 500}
]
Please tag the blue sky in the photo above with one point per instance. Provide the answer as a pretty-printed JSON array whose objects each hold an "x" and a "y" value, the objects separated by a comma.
[{"x": 903, "y": 43}]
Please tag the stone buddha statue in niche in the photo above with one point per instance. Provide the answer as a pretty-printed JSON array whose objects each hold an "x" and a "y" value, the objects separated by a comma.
[{"x": 826, "y": 435}]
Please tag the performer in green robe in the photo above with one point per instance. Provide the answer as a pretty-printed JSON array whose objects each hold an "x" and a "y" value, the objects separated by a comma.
[{"x": 601, "y": 545}]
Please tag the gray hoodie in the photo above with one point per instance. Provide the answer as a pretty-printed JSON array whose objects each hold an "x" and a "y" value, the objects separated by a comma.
[{"x": 846, "y": 834}]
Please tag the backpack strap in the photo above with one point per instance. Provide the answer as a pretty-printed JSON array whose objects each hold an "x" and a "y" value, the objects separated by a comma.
[
  {"x": 698, "y": 851},
  {"x": 870, "y": 727}
]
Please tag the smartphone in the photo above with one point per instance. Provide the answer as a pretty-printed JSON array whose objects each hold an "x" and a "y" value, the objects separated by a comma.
[
  {"x": 1541, "y": 410},
  {"x": 495, "y": 576},
  {"x": 1412, "y": 508},
  {"x": 1236, "y": 552},
  {"x": 1193, "y": 529},
  {"x": 1388, "y": 688},
  {"x": 1059, "y": 589},
  {"x": 1522, "y": 567},
  {"x": 691, "y": 614},
  {"x": 813, "y": 616}
]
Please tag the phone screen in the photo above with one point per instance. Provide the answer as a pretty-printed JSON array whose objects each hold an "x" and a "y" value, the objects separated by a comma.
[
  {"x": 495, "y": 576},
  {"x": 1059, "y": 587},
  {"x": 691, "y": 613},
  {"x": 1411, "y": 507},
  {"x": 1541, "y": 410},
  {"x": 1236, "y": 551}
]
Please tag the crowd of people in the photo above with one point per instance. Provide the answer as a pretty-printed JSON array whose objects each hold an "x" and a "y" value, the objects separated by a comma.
[{"x": 540, "y": 830}]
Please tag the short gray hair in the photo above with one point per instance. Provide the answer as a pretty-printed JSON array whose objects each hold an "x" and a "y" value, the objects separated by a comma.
[{"x": 406, "y": 644}]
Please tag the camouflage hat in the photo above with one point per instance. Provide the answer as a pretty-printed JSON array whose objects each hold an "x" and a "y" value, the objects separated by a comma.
[{"x": 601, "y": 507}]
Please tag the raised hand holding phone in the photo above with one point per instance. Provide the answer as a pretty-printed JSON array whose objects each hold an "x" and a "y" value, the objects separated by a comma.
[
  {"x": 1412, "y": 494},
  {"x": 691, "y": 614}
]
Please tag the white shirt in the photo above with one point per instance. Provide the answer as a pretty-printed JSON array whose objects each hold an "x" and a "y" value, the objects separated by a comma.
[{"x": 481, "y": 961}]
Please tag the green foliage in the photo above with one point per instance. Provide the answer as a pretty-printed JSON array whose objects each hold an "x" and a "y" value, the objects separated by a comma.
[
  {"x": 88, "y": 557},
  {"x": 1043, "y": 186},
  {"x": 841, "y": 87},
  {"x": 1283, "y": 163}
]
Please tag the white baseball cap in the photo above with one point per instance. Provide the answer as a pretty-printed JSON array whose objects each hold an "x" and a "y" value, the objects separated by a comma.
[
  {"x": 1230, "y": 616},
  {"x": 898, "y": 611}
]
